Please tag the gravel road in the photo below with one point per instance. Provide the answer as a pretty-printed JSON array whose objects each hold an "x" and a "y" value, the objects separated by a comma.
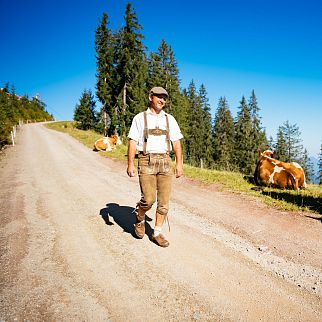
[{"x": 68, "y": 251}]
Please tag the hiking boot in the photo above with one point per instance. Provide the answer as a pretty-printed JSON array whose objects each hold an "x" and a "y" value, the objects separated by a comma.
[
  {"x": 160, "y": 240},
  {"x": 139, "y": 229}
]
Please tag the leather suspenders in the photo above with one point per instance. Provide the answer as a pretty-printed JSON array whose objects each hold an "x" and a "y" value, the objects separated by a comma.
[
  {"x": 145, "y": 133},
  {"x": 156, "y": 132}
]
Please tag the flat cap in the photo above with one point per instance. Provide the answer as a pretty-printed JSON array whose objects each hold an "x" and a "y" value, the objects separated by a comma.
[{"x": 158, "y": 91}]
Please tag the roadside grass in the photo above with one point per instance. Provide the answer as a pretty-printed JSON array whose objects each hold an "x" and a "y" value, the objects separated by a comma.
[
  {"x": 88, "y": 138},
  {"x": 227, "y": 180},
  {"x": 309, "y": 199}
]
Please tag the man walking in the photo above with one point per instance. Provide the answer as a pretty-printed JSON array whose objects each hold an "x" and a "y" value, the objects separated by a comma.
[{"x": 151, "y": 134}]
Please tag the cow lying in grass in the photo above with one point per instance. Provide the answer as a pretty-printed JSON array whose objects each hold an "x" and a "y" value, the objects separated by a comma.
[
  {"x": 107, "y": 143},
  {"x": 277, "y": 174}
]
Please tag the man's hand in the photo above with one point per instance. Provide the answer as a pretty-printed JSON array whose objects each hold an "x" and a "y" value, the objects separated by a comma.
[
  {"x": 179, "y": 162},
  {"x": 179, "y": 171},
  {"x": 130, "y": 158},
  {"x": 130, "y": 170}
]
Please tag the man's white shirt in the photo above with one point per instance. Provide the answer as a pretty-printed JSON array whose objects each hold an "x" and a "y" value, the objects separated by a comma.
[{"x": 155, "y": 144}]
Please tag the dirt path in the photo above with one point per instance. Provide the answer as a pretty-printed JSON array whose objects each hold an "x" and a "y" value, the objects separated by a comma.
[{"x": 68, "y": 254}]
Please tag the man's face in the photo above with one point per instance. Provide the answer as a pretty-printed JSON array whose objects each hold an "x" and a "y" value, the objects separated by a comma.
[{"x": 158, "y": 101}]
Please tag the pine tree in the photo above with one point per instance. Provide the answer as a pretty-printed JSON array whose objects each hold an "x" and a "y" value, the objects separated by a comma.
[
  {"x": 194, "y": 145},
  {"x": 271, "y": 143},
  {"x": 308, "y": 167},
  {"x": 118, "y": 102},
  {"x": 259, "y": 138},
  {"x": 84, "y": 113},
  {"x": 243, "y": 151},
  {"x": 223, "y": 136},
  {"x": 163, "y": 71},
  {"x": 155, "y": 71},
  {"x": 280, "y": 146},
  {"x": 131, "y": 69},
  {"x": 183, "y": 119},
  {"x": 105, "y": 49},
  {"x": 319, "y": 174},
  {"x": 289, "y": 147},
  {"x": 206, "y": 135}
]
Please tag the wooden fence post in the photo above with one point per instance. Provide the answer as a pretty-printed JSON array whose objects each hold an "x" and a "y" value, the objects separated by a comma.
[{"x": 12, "y": 139}]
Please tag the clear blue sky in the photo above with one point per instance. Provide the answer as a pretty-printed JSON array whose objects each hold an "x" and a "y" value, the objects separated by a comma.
[{"x": 231, "y": 46}]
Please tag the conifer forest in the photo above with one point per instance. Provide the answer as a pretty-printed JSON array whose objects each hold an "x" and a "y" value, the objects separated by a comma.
[{"x": 126, "y": 71}]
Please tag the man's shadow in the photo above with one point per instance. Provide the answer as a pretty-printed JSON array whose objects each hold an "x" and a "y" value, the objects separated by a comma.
[{"x": 125, "y": 217}]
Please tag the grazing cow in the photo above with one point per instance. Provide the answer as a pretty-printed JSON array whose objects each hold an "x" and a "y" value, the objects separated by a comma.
[
  {"x": 271, "y": 172},
  {"x": 107, "y": 143}
]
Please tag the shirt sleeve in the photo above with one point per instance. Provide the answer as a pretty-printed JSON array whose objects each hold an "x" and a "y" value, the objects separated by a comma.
[
  {"x": 134, "y": 133},
  {"x": 175, "y": 132}
]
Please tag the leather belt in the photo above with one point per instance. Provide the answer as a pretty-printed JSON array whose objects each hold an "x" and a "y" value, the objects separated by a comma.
[{"x": 156, "y": 154}]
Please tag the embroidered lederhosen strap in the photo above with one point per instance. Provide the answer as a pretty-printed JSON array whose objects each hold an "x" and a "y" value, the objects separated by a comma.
[{"x": 156, "y": 132}]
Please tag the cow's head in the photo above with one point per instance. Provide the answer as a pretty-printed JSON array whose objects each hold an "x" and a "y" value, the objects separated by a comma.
[
  {"x": 267, "y": 153},
  {"x": 117, "y": 139}
]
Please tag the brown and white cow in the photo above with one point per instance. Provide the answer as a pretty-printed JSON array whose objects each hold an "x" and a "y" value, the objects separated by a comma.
[
  {"x": 107, "y": 143},
  {"x": 272, "y": 172}
]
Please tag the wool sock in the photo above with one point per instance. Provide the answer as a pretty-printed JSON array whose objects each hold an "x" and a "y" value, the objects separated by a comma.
[{"x": 157, "y": 231}]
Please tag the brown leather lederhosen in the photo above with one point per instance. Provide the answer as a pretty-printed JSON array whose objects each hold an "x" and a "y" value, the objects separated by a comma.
[{"x": 155, "y": 172}]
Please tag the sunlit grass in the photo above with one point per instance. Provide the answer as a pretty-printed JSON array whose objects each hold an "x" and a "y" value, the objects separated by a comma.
[
  {"x": 88, "y": 138},
  {"x": 230, "y": 180},
  {"x": 309, "y": 199}
]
